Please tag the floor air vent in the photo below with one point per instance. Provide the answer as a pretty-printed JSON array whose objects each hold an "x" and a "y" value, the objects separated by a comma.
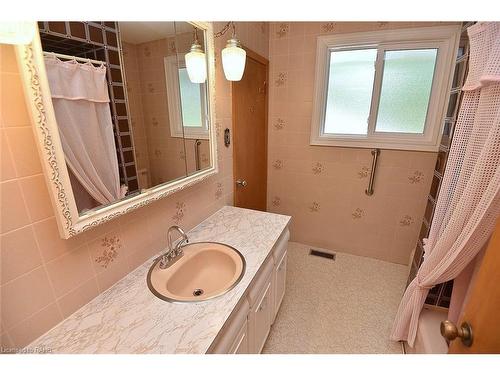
[{"x": 322, "y": 254}]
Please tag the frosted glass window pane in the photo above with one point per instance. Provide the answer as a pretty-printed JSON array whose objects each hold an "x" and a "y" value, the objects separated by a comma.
[
  {"x": 190, "y": 100},
  {"x": 406, "y": 88},
  {"x": 350, "y": 84}
]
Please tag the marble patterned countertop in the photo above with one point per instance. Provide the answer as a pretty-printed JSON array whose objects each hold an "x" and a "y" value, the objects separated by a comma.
[{"x": 128, "y": 318}]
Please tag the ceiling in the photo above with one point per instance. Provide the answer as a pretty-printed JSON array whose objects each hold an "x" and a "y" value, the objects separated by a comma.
[{"x": 142, "y": 32}]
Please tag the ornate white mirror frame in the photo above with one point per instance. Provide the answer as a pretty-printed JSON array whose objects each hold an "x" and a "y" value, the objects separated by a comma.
[{"x": 37, "y": 92}]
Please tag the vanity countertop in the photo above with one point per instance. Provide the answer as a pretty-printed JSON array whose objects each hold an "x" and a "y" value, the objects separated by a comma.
[{"x": 128, "y": 318}]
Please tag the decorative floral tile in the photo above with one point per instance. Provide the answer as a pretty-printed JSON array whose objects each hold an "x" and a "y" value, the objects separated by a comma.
[
  {"x": 218, "y": 128},
  {"x": 328, "y": 27},
  {"x": 278, "y": 164},
  {"x": 252, "y": 109},
  {"x": 317, "y": 168},
  {"x": 417, "y": 177},
  {"x": 171, "y": 47},
  {"x": 146, "y": 51},
  {"x": 406, "y": 221},
  {"x": 314, "y": 207},
  {"x": 279, "y": 124},
  {"x": 281, "y": 80},
  {"x": 110, "y": 251},
  {"x": 218, "y": 190},
  {"x": 363, "y": 173},
  {"x": 182, "y": 155},
  {"x": 283, "y": 29},
  {"x": 179, "y": 214},
  {"x": 358, "y": 213},
  {"x": 276, "y": 202}
]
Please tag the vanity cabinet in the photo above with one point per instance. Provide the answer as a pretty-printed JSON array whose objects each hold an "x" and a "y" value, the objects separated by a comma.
[
  {"x": 261, "y": 315},
  {"x": 248, "y": 327}
]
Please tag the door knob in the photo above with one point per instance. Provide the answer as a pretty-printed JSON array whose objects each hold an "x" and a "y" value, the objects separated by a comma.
[
  {"x": 241, "y": 183},
  {"x": 450, "y": 332}
]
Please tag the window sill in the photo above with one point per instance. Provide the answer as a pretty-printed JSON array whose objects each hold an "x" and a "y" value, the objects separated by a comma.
[{"x": 417, "y": 145}]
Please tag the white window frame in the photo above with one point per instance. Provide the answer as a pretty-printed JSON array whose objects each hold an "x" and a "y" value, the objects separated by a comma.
[
  {"x": 177, "y": 129},
  {"x": 444, "y": 38}
]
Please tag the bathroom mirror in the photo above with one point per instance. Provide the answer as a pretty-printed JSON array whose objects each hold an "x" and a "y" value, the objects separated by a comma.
[{"x": 120, "y": 120}]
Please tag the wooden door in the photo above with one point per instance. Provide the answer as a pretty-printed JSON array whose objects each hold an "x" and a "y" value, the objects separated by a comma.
[
  {"x": 250, "y": 134},
  {"x": 483, "y": 307}
]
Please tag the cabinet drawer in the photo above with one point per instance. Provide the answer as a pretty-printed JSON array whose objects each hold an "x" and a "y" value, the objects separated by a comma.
[
  {"x": 261, "y": 316},
  {"x": 279, "y": 283},
  {"x": 240, "y": 345},
  {"x": 228, "y": 338}
]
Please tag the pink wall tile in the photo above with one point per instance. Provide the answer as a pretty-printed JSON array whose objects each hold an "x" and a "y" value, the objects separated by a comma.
[
  {"x": 36, "y": 196},
  {"x": 76, "y": 298},
  {"x": 50, "y": 243},
  {"x": 14, "y": 213},
  {"x": 22, "y": 145},
  {"x": 19, "y": 253},
  {"x": 35, "y": 325},
  {"x": 70, "y": 270},
  {"x": 8, "y": 171},
  {"x": 8, "y": 62},
  {"x": 24, "y": 296},
  {"x": 16, "y": 115}
]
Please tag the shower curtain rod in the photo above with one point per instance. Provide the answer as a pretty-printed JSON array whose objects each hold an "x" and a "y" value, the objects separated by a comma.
[{"x": 69, "y": 57}]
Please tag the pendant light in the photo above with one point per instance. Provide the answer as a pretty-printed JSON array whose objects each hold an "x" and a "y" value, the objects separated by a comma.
[
  {"x": 233, "y": 56},
  {"x": 233, "y": 60},
  {"x": 196, "y": 64}
]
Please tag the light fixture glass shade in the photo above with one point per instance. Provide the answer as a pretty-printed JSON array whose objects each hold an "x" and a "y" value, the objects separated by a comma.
[
  {"x": 196, "y": 64},
  {"x": 233, "y": 60},
  {"x": 16, "y": 32}
]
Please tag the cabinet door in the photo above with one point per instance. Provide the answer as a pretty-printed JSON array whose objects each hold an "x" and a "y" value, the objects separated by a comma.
[
  {"x": 240, "y": 345},
  {"x": 280, "y": 283},
  {"x": 262, "y": 315}
]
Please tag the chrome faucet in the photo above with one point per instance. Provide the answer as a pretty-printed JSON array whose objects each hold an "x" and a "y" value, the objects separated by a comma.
[{"x": 173, "y": 253}]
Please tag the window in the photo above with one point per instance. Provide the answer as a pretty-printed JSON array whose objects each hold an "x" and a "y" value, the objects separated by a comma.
[
  {"x": 385, "y": 89},
  {"x": 186, "y": 102},
  {"x": 191, "y": 101}
]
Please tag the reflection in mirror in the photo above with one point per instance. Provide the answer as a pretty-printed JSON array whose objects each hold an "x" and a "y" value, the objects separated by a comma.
[
  {"x": 128, "y": 116},
  {"x": 146, "y": 45},
  {"x": 189, "y": 114}
]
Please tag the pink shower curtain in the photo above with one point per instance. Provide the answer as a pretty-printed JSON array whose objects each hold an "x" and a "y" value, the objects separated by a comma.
[
  {"x": 469, "y": 199},
  {"x": 81, "y": 104}
]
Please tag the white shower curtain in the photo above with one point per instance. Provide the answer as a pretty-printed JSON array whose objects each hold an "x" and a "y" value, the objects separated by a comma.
[
  {"x": 469, "y": 199},
  {"x": 81, "y": 104}
]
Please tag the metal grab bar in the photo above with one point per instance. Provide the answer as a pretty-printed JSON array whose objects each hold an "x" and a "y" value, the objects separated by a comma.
[
  {"x": 197, "y": 144},
  {"x": 375, "y": 153}
]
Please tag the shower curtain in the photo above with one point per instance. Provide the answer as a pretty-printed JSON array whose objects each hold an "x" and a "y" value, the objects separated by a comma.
[
  {"x": 81, "y": 104},
  {"x": 469, "y": 199}
]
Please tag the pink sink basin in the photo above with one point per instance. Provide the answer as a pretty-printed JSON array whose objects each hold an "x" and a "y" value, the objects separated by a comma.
[{"x": 206, "y": 270}]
